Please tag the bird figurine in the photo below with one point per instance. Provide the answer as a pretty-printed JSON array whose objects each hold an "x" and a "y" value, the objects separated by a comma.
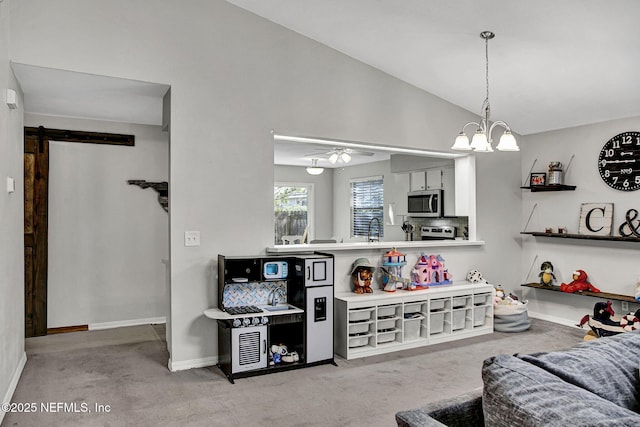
[
  {"x": 546, "y": 274},
  {"x": 579, "y": 283},
  {"x": 604, "y": 324}
]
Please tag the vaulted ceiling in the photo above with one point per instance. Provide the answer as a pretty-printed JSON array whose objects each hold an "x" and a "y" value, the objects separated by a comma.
[{"x": 553, "y": 63}]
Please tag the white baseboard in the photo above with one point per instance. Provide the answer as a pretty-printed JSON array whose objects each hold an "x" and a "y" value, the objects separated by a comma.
[
  {"x": 193, "y": 363},
  {"x": 553, "y": 319},
  {"x": 14, "y": 383},
  {"x": 123, "y": 323}
]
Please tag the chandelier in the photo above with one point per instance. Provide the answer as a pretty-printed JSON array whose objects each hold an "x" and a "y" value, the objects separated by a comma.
[{"x": 481, "y": 141}]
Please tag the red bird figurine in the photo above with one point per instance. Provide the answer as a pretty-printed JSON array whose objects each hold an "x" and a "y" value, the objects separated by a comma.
[{"x": 579, "y": 284}]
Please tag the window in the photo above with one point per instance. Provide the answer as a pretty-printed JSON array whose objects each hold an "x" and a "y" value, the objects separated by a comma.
[
  {"x": 291, "y": 208},
  {"x": 367, "y": 203}
]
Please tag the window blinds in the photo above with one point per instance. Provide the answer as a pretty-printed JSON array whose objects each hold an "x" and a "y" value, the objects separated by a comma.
[{"x": 367, "y": 202}]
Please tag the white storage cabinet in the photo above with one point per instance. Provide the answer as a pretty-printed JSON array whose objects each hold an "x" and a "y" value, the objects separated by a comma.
[{"x": 381, "y": 322}]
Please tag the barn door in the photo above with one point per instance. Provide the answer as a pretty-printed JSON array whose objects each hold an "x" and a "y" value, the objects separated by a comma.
[{"x": 36, "y": 178}]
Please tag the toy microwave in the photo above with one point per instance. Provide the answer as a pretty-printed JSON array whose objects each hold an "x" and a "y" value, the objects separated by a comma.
[{"x": 275, "y": 270}]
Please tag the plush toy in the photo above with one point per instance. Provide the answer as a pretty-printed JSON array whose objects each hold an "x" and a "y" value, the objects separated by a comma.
[
  {"x": 546, "y": 274},
  {"x": 604, "y": 324},
  {"x": 474, "y": 276},
  {"x": 279, "y": 353},
  {"x": 361, "y": 275},
  {"x": 579, "y": 283}
]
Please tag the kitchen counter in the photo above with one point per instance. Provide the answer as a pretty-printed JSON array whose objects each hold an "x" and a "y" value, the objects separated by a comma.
[
  {"x": 330, "y": 247},
  {"x": 217, "y": 314}
]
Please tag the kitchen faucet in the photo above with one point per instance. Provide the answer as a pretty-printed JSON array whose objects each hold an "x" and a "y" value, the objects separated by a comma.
[
  {"x": 369, "y": 238},
  {"x": 274, "y": 294}
]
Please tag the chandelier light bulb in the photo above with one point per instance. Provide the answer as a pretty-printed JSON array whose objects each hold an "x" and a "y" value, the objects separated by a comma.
[
  {"x": 461, "y": 143},
  {"x": 508, "y": 142}
]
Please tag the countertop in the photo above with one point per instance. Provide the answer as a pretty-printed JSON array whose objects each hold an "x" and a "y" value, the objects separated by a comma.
[
  {"x": 217, "y": 314},
  {"x": 401, "y": 293},
  {"x": 371, "y": 245}
]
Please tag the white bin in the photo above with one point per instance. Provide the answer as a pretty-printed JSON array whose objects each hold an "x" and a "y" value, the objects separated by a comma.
[
  {"x": 458, "y": 319},
  {"x": 412, "y": 329},
  {"x": 479, "y": 316},
  {"x": 437, "y": 323}
]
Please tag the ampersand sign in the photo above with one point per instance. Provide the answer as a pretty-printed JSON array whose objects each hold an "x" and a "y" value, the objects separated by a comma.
[{"x": 631, "y": 223}]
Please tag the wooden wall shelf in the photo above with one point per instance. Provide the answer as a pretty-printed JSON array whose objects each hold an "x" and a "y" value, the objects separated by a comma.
[
  {"x": 560, "y": 187},
  {"x": 582, "y": 236},
  {"x": 603, "y": 295}
]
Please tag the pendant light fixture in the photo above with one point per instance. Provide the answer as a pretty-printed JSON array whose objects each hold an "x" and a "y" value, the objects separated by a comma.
[
  {"x": 481, "y": 141},
  {"x": 314, "y": 169}
]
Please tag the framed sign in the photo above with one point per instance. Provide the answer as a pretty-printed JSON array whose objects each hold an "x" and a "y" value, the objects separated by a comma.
[
  {"x": 596, "y": 219},
  {"x": 537, "y": 178}
]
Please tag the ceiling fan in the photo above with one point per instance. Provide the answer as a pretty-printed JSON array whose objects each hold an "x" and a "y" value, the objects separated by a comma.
[{"x": 339, "y": 154}]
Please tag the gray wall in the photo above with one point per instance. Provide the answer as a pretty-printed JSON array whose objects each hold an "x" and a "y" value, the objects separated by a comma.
[
  {"x": 12, "y": 355},
  {"x": 611, "y": 266},
  {"x": 106, "y": 238},
  {"x": 234, "y": 77}
]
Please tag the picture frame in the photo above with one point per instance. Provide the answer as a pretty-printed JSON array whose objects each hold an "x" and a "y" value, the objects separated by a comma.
[
  {"x": 537, "y": 178},
  {"x": 596, "y": 219}
]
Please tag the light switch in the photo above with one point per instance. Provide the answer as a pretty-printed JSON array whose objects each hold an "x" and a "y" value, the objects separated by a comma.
[
  {"x": 192, "y": 238},
  {"x": 11, "y": 185}
]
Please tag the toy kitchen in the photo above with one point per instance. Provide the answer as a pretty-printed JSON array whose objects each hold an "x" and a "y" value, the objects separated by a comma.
[{"x": 274, "y": 313}]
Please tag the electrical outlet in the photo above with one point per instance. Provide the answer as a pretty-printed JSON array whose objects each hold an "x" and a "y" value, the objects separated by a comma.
[
  {"x": 192, "y": 238},
  {"x": 625, "y": 306}
]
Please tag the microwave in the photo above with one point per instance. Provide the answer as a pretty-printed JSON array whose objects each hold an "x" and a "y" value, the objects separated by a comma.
[
  {"x": 275, "y": 270},
  {"x": 425, "y": 203}
]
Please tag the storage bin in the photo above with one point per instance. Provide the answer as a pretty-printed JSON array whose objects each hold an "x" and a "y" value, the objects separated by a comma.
[
  {"x": 386, "y": 337},
  {"x": 459, "y": 302},
  {"x": 412, "y": 329},
  {"x": 360, "y": 315},
  {"x": 412, "y": 308},
  {"x": 437, "y": 304},
  {"x": 386, "y": 324},
  {"x": 479, "y": 316},
  {"x": 358, "y": 341},
  {"x": 437, "y": 323},
  {"x": 386, "y": 310},
  {"x": 482, "y": 299},
  {"x": 458, "y": 319},
  {"x": 359, "y": 328}
]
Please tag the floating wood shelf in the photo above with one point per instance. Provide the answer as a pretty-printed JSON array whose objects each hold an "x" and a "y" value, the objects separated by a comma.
[
  {"x": 582, "y": 236},
  {"x": 555, "y": 187},
  {"x": 603, "y": 295}
]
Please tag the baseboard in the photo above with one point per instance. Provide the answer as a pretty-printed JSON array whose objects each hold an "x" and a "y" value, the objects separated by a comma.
[
  {"x": 554, "y": 319},
  {"x": 123, "y": 323},
  {"x": 14, "y": 383},
  {"x": 65, "y": 329},
  {"x": 193, "y": 363}
]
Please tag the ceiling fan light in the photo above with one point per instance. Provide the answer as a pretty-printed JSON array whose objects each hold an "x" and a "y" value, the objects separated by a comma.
[
  {"x": 314, "y": 169},
  {"x": 461, "y": 143},
  {"x": 508, "y": 142},
  {"x": 333, "y": 158},
  {"x": 345, "y": 157}
]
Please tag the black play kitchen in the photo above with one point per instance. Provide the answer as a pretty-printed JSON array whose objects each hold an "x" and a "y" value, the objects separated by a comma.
[{"x": 274, "y": 313}]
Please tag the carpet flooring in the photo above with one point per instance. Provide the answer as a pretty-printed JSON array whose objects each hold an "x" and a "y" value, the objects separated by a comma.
[{"x": 119, "y": 377}]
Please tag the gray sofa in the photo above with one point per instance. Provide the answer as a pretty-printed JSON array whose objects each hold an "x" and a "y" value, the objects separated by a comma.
[{"x": 595, "y": 383}]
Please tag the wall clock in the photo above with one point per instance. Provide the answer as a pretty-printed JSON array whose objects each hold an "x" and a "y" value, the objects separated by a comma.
[{"x": 619, "y": 162}]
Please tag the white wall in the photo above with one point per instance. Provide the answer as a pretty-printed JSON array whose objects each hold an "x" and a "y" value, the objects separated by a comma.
[
  {"x": 12, "y": 355},
  {"x": 106, "y": 238},
  {"x": 234, "y": 77},
  {"x": 611, "y": 266}
]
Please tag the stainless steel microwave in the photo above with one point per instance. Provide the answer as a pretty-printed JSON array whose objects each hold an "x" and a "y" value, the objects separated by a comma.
[{"x": 425, "y": 203}]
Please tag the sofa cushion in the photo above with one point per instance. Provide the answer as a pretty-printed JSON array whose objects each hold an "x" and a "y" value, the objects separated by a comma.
[
  {"x": 519, "y": 393},
  {"x": 607, "y": 367}
]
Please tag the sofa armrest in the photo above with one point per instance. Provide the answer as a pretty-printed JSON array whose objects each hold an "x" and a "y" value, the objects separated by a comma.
[{"x": 464, "y": 411}]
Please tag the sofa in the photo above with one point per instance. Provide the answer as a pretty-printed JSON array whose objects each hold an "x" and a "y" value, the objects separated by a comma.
[{"x": 595, "y": 383}]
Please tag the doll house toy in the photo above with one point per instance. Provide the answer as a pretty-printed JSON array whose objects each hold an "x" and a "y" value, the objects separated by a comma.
[{"x": 430, "y": 271}]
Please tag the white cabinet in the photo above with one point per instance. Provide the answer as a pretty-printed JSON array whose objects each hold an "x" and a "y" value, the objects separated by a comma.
[
  {"x": 434, "y": 179},
  {"x": 417, "y": 181},
  {"x": 370, "y": 324}
]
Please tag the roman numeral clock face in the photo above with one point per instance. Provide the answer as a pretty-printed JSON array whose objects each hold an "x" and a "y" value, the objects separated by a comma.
[{"x": 619, "y": 162}]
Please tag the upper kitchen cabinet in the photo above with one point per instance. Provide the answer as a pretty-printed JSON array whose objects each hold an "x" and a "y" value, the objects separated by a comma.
[
  {"x": 417, "y": 181},
  {"x": 437, "y": 178}
]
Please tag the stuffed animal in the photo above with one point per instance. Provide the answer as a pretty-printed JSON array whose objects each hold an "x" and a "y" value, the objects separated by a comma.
[
  {"x": 546, "y": 274},
  {"x": 361, "y": 275},
  {"x": 579, "y": 283},
  {"x": 474, "y": 276},
  {"x": 604, "y": 324}
]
